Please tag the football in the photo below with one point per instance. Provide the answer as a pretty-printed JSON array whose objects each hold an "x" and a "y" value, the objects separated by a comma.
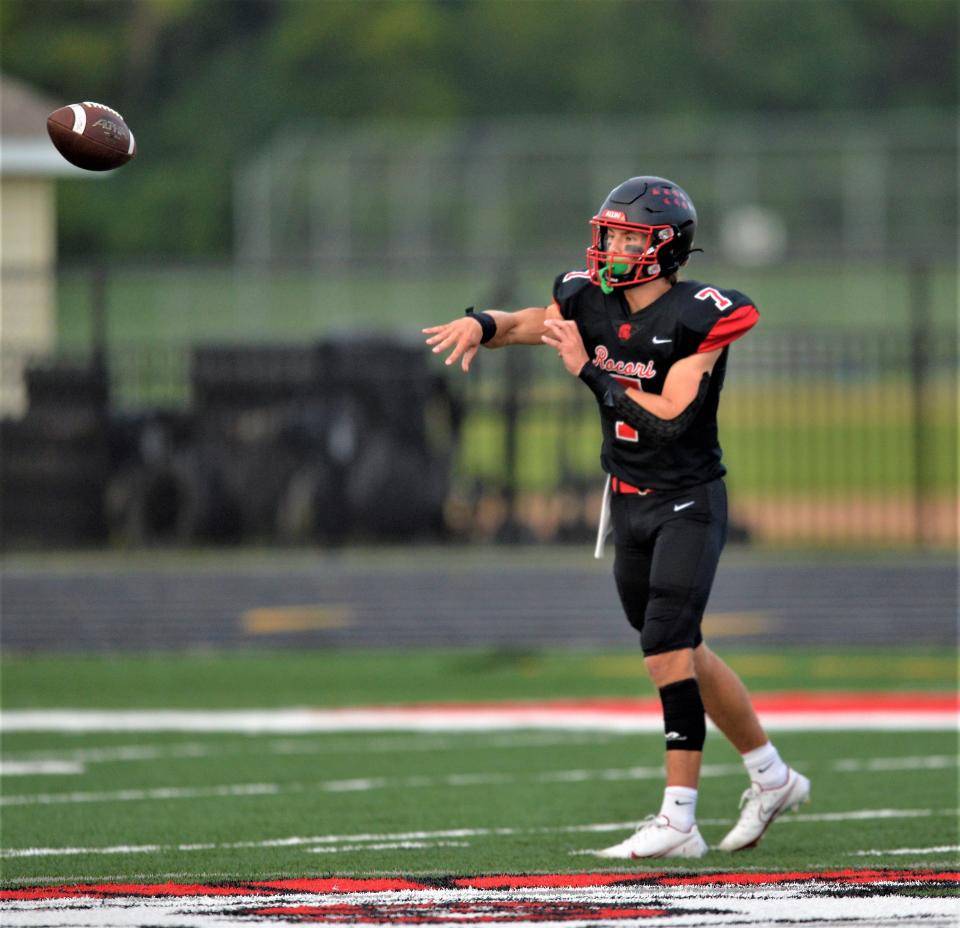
[{"x": 91, "y": 136}]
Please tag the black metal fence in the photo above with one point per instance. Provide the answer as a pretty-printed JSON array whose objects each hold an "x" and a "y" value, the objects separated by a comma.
[
  {"x": 830, "y": 437},
  {"x": 844, "y": 436}
]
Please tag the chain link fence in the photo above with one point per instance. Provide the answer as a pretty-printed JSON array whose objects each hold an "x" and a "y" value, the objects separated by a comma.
[{"x": 849, "y": 187}]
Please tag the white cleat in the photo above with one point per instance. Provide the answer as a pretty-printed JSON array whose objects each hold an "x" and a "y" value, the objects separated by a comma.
[
  {"x": 761, "y": 807},
  {"x": 656, "y": 837}
]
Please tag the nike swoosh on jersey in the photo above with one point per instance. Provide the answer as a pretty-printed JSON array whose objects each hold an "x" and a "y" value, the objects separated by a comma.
[
  {"x": 661, "y": 341},
  {"x": 680, "y": 506}
]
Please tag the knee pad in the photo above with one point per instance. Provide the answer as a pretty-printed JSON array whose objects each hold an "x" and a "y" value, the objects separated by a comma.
[
  {"x": 672, "y": 621},
  {"x": 684, "y": 720},
  {"x": 657, "y": 636}
]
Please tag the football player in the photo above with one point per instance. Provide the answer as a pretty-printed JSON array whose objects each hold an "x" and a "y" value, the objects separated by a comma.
[{"x": 653, "y": 350}]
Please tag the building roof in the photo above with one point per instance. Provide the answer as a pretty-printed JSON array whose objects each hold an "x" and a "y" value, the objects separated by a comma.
[{"x": 25, "y": 147}]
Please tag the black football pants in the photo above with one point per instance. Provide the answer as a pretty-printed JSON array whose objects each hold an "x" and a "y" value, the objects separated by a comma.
[{"x": 668, "y": 544}]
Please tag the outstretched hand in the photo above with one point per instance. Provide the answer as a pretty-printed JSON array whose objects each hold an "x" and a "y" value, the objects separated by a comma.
[
  {"x": 462, "y": 335},
  {"x": 564, "y": 336}
]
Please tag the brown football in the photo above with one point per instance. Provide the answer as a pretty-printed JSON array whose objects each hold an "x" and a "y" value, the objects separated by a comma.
[{"x": 91, "y": 136}]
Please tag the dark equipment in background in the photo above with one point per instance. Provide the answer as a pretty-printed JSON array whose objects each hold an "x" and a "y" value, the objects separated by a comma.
[
  {"x": 348, "y": 440},
  {"x": 55, "y": 460}
]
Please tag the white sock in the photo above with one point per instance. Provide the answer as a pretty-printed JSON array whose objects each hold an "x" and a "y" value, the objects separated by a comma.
[
  {"x": 765, "y": 767},
  {"x": 680, "y": 806}
]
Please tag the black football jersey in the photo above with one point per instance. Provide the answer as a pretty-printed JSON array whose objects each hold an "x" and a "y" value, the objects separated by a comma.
[{"x": 639, "y": 349}]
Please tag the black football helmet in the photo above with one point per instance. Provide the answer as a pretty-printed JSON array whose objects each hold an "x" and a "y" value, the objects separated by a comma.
[{"x": 664, "y": 217}]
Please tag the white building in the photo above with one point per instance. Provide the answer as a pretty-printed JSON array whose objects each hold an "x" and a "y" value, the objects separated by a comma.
[{"x": 29, "y": 167}]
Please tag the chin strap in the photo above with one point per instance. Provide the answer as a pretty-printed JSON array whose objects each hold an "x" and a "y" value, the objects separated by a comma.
[{"x": 656, "y": 431}]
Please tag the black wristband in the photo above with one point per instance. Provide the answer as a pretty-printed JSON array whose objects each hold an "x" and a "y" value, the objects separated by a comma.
[
  {"x": 604, "y": 387},
  {"x": 487, "y": 324}
]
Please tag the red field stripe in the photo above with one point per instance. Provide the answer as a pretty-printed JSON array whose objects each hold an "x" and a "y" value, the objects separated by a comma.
[
  {"x": 856, "y": 702},
  {"x": 106, "y": 890},
  {"x": 839, "y": 876},
  {"x": 38, "y": 892},
  {"x": 497, "y": 881},
  {"x": 546, "y": 880},
  {"x": 340, "y": 885},
  {"x": 910, "y": 876},
  {"x": 828, "y": 701}
]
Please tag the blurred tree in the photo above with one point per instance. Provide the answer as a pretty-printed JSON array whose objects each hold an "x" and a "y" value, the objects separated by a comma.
[
  {"x": 354, "y": 60},
  {"x": 63, "y": 44},
  {"x": 206, "y": 83}
]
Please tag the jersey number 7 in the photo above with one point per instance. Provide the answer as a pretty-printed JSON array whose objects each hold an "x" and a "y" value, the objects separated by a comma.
[{"x": 710, "y": 293}]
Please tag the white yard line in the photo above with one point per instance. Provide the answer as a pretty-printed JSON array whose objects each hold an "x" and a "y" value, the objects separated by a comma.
[
  {"x": 390, "y": 744},
  {"x": 354, "y": 785},
  {"x": 452, "y": 833},
  {"x": 120, "y": 753},
  {"x": 865, "y": 815},
  {"x": 884, "y": 764},
  {"x": 139, "y": 795},
  {"x": 74, "y": 761},
  {"x": 366, "y": 784},
  {"x": 386, "y": 846},
  {"x": 456, "y": 719},
  {"x": 944, "y": 849},
  {"x": 25, "y": 768}
]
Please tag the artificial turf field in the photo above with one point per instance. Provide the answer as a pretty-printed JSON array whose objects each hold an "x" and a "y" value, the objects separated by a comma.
[{"x": 200, "y": 806}]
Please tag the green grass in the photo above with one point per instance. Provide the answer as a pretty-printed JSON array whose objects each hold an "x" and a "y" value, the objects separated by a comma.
[
  {"x": 545, "y": 787},
  {"x": 185, "y": 304},
  {"x": 515, "y": 784},
  {"x": 350, "y": 677},
  {"x": 182, "y": 306}
]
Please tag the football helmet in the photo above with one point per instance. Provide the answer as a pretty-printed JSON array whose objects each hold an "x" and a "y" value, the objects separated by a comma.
[{"x": 665, "y": 221}]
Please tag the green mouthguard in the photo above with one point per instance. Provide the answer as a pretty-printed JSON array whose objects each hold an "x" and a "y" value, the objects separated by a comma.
[{"x": 611, "y": 269}]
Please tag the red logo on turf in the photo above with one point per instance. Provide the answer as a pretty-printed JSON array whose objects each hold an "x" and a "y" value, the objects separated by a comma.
[{"x": 468, "y": 911}]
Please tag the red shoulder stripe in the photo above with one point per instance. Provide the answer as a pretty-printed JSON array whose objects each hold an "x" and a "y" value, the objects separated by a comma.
[{"x": 729, "y": 328}]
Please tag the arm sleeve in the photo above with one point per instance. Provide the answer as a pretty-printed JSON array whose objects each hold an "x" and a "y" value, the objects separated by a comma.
[{"x": 656, "y": 431}]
